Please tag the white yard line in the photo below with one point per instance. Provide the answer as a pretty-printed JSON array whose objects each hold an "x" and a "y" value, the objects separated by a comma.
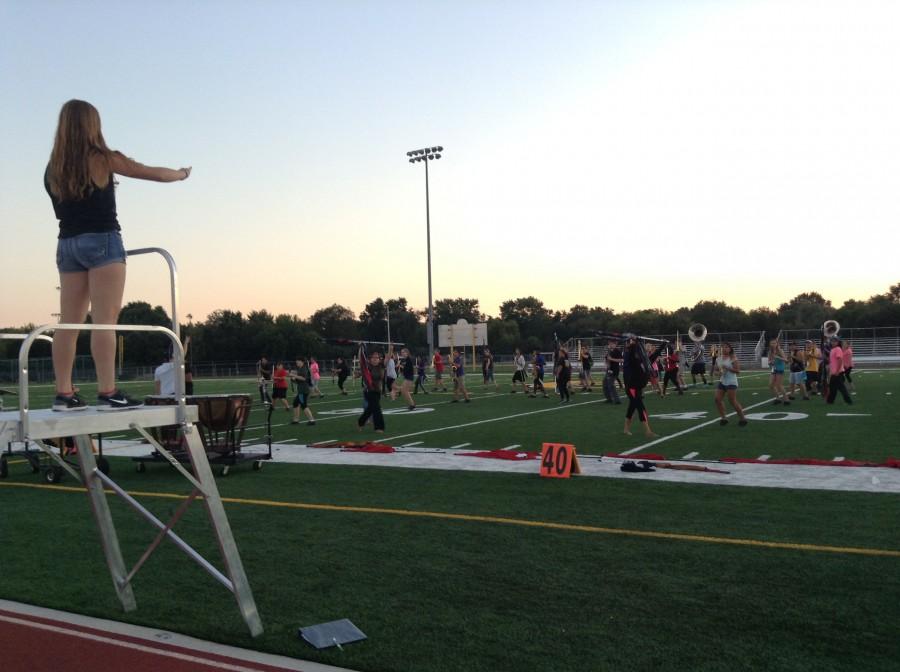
[
  {"x": 414, "y": 443},
  {"x": 320, "y": 443},
  {"x": 663, "y": 439},
  {"x": 459, "y": 445},
  {"x": 482, "y": 422},
  {"x": 515, "y": 445},
  {"x": 690, "y": 456},
  {"x": 763, "y": 458},
  {"x": 286, "y": 441},
  {"x": 847, "y": 415},
  {"x": 839, "y": 459}
]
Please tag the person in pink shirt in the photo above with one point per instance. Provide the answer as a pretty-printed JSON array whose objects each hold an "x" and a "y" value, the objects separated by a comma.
[
  {"x": 848, "y": 362},
  {"x": 314, "y": 373},
  {"x": 836, "y": 372}
]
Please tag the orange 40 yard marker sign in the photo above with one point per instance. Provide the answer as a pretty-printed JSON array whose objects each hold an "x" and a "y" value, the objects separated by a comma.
[{"x": 558, "y": 460}]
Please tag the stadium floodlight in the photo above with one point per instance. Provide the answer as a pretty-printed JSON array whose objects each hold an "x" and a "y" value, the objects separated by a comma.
[{"x": 427, "y": 154}]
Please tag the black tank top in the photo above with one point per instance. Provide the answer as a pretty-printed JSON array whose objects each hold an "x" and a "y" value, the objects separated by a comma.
[{"x": 95, "y": 213}]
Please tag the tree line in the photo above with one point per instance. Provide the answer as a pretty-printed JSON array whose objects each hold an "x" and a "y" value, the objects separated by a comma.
[{"x": 526, "y": 323}]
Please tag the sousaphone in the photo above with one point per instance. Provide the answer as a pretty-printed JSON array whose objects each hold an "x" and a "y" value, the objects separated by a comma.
[{"x": 697, "y": 333}]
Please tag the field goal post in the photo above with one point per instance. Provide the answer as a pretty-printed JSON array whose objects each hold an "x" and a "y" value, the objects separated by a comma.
[{"x": 462, "y": 335}]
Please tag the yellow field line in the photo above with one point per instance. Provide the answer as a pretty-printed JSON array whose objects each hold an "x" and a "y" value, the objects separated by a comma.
[{"x": 675, "y": 536}]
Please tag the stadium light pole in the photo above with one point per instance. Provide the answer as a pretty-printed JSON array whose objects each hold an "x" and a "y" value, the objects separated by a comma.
[{"x": 425, "y": 155}]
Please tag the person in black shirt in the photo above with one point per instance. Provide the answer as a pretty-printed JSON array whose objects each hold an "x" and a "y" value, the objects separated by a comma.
[
  {"x": 90, "y": 254},
  {"x": 563, "y": 371},
  {"x": 587, "y": 362},
  {"x": 343, "y": 371},
  {"x": 408, "y": 376},
  {"x": 613, "y": 360},
  {"x": 372, "y": 392},
  {"x": 263, "y": 378},
  {"x": 487, "y": 368},
  {"x": 421, "y": 365},
  {"x": 636, "y": 376}
]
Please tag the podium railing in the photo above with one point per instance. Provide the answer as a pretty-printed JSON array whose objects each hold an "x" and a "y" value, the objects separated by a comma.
[{"x": 29, "y": 340}]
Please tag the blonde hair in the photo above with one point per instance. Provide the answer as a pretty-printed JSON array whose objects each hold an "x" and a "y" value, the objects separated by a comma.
[{"x": 78, "y": 137}]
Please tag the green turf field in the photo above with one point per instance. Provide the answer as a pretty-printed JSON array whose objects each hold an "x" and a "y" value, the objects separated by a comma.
[
  {"x": 449, "y": 571},
  {"x": 498, "y": 419}
]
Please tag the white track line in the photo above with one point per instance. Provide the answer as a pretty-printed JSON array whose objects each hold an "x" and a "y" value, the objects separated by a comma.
[
  {"x": 482, "y": 422},
  {"x": 285, "y": 441},
  {"x": 839, "y": 459},
  {"x": 515, "y": 445},
  {"x": 414, "y": 443},
  {"x": 763, "y": 458},
  {"x": 847, "y": 415},
  {"x": 663, "y": 439},
  {"x": 459, "y": 445},
  {"x": 690, "y": 456}
]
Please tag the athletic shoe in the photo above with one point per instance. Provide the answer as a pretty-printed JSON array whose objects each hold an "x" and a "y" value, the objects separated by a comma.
[
  {"x": 311, "y": 423},
  {"x": 295, "y": 422},
  {"x": 723, "y": 422},
  {"x": 410, "y": 408},
  {"x": 118, "y": 400},
  {"x": 469, "y": 401},
  {"x": 742, "y": 423},
  {"x": 68, "y": 402}
]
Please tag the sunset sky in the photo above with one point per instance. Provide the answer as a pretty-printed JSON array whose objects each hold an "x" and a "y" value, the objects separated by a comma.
[{"x": 629, "y": 154}]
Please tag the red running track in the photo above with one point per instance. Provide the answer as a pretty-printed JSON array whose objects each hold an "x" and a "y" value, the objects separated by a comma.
[{"x": 40, "y": 640}]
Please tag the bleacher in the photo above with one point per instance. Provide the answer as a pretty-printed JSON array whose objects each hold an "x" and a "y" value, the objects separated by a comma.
[{"x": 878, "y": 346}]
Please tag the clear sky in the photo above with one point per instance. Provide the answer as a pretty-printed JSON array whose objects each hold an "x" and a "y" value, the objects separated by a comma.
[{"x": 628, "y": 154}]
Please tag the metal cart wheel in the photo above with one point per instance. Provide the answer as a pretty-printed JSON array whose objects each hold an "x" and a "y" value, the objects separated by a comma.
[
  {"x": 53, "y": 474},
  {"x": 141, "y": 467},
  {"x": 257, "y": 465}
]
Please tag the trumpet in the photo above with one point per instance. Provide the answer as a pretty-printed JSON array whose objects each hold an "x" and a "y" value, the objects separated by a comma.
[
  {"x": 831, "y": 328},
  {"x": 697, "y": 333}
]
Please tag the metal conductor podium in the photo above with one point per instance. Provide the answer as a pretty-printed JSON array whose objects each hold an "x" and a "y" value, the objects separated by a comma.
[{"x": 39, "y": 425}]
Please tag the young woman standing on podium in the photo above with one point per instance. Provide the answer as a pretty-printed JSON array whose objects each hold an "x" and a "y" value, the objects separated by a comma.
[{"x": 90, "y": 255}]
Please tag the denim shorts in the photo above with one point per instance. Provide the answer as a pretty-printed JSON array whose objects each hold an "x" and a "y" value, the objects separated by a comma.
[
  {"x": 89, "y": 250},
  {"x": 798, "y": 377}
]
